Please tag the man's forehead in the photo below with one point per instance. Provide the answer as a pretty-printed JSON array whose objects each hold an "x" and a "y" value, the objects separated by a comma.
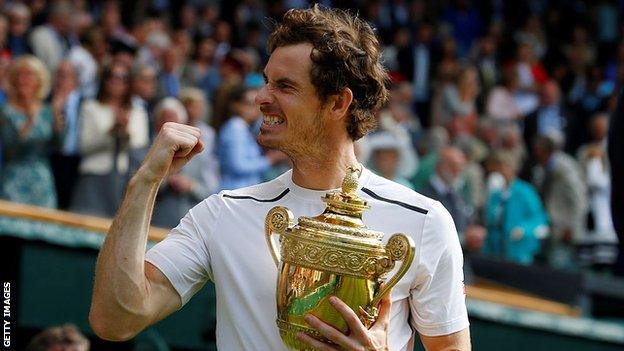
[{"x": 291, "y": 61}]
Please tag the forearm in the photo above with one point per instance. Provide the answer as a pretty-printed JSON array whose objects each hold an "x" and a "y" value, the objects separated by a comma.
[{"x": 121, "y": 292}]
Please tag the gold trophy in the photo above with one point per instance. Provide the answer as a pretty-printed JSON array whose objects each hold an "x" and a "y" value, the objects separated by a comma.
[{"x": 331, "y": 254}]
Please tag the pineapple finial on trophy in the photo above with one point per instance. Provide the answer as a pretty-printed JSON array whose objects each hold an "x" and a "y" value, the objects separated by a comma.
[{"x": 350, "y": 181}]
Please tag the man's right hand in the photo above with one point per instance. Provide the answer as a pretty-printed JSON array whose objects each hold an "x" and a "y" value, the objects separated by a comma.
[{"x": 173, "y": 147}]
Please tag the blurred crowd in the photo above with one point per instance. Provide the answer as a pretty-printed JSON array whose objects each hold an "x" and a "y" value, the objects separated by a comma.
[{"x": 498, "y": 109}]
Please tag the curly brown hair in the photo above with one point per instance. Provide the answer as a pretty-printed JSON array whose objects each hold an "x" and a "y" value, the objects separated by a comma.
[{"x": 345, "y": 54}]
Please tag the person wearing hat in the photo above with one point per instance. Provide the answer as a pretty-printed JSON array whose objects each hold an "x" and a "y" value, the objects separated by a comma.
[{"x": 386, "y": 156}]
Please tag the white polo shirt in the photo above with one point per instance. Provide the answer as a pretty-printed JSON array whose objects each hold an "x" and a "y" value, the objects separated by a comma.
[{"x": 222, "y": 239}]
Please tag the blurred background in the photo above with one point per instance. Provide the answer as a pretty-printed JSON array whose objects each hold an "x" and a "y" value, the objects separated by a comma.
[{"x": 501, "y": 110}]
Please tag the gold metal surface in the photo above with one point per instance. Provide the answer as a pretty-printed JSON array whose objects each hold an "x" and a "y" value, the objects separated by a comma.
[{"x": 333, "y": 254}]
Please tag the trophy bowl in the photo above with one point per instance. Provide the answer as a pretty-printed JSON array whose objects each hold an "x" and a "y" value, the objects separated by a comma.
[{"x": 332, "y": 254}]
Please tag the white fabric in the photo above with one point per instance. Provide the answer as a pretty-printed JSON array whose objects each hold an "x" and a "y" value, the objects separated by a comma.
[
  {"x": 97, "y": 145},
  {"x": 222, "y": 239}
]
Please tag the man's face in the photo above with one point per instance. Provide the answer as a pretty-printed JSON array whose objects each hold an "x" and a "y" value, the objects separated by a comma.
[{"x": 293, "y": 116}]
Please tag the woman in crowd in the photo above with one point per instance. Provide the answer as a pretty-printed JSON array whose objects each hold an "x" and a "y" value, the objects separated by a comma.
[
  {"x": 28, "y": 131},
  {"x": 458, "y": 109},
  {"x": 110, "y": 126},
  {"x": 514, "y": 215}
]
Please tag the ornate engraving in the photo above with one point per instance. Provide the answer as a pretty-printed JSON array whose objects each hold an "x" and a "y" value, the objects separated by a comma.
[
  {"x": 397, "y": 247},
  {"x": 334, "y": 258}
]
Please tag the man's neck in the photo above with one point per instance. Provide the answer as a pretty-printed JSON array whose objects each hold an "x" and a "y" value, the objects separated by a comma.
[{"x": 325, "y": 171}]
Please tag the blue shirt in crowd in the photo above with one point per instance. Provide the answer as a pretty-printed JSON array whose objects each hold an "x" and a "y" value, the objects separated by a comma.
[{"x": 240, "y": 156}]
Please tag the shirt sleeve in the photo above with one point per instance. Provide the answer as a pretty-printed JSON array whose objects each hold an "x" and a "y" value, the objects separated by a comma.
[
  {"x": 183, "y": 256},
  {"x": 438, "y": 299}
]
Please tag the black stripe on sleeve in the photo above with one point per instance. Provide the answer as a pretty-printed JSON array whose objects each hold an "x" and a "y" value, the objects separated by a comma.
[
  {"x": 243, "y": 197},
  {"x": 395, "y": 202}
]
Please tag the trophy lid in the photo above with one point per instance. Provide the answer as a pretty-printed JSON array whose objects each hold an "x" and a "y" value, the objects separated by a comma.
[{"x": 343, "y": 214}]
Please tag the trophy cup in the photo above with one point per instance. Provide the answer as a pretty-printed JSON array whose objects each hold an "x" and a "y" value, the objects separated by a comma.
[{"x": 333, "y": 253}]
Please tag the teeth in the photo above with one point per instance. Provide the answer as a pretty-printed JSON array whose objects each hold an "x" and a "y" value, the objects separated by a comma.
[{"x": 272, "y": 120}]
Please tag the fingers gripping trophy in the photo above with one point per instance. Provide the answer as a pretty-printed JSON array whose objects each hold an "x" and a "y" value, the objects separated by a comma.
[{"x": 332, "y": 254}]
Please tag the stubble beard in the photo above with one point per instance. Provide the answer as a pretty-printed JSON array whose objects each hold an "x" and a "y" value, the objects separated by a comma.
[{"x": 303, "y": 143}]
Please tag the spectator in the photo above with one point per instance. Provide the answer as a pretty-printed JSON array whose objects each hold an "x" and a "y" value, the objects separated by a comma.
[
  {"x": 501, "y": 103},
  {"x": 87, "y": 58},
  {"x": 144, "y": 89},
  {"x": 559, "y": 182},
  {"x": 110, "y": 126},
  {"x": 417, "y": 63},
  {"x": 550, "y": 117},
  {"x": 459, "y": 114},
  {"x": 434, "y": 140},
  {"x": 66, "y": 101},
  {"x": 387, "y": 154},
  {"x": 241, "y": 159},
  {"x": 170, "y": 73},
  {"x": 50, "y": 41},
  {"x": 179, "y": 192},
  {"x": 19, "y": 23},
  {"x": 202, "y": 72},
  {"x": 446, "y": 185},
  {"x": 599, "y": 246},
  {"x": 514, "y": 216},
  {"x": 29, "y": 129},
  {"x": 60, "y": 338},
  {"x": 197, "y": 110}
]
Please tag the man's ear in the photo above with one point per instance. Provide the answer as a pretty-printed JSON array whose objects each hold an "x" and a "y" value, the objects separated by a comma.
[{"x": 340, "y": 103}]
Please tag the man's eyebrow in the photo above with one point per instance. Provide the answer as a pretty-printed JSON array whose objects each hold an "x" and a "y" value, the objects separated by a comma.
[{"x": 282, "y": 80}]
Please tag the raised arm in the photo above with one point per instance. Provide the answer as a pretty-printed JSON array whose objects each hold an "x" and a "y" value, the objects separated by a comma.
[{"x": 130, "y": 294}]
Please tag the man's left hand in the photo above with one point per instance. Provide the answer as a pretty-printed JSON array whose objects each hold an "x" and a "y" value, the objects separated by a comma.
[{"x": 359, "y": 338}]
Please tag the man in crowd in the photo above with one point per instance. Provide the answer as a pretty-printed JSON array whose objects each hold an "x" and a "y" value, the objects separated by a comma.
[{"x": 324, "y": 83}]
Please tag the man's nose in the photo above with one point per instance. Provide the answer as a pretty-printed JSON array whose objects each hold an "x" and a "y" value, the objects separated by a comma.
[{"x": 264, "y": 96}]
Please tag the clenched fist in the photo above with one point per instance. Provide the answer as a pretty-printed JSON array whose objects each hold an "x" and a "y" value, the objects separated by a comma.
[{"x": 173, "y": 147}]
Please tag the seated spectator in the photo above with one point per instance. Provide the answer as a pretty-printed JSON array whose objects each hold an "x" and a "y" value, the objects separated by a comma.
[
  {"x": 110, "y": 126},
  {"x": 560, "y": 184},
  {"x": 60, "y": 338},
  {"x": 514, "y": 216},
  {"x": 241, "y": 159},
  {"x": 197, "y": 109},
  {"x": 386, "y": 156},
  {"x": 29, "y": 130},
  {"x": 599, "y": 246}
]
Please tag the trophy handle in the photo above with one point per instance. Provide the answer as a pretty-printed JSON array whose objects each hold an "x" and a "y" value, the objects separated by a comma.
[
  {"x": 277, "y": 221},
  {"x": 400, "y": 247}
]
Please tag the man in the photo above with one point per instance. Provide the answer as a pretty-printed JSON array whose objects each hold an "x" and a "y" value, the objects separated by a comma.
[
  {"x": 324, "y": 82},
  {"x": 144, "y": 90},
  {"x": 560, "y": 184},
  {"x": 51, "y": 41},
  {"x": 59, "y": 338},
  {"x": 446, "y": 186}
]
